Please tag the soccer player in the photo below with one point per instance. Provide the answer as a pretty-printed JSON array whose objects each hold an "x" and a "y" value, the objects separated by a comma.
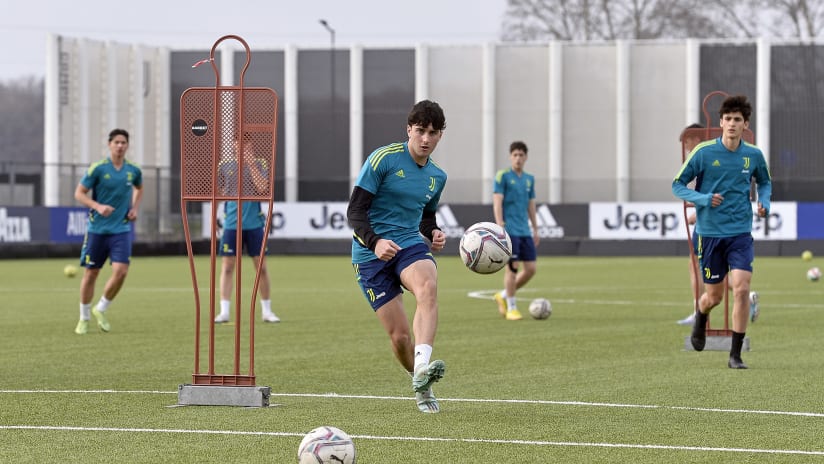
[
  {"x": 116, "y": 185},
  {"x": 513, "y": 203},
  {"x": 724, "y": 168},
  {"x": 392, "y": 209},
  {"x": 690, "y": 139},
  {"x": 252, "y": 225}
]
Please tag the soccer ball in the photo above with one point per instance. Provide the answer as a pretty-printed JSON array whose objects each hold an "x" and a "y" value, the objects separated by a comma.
[
  {"x": 69, "y": 271},
  {"x": 540, "y": 308},
  {"x": 326, "y": 445},
  {"x": 485, "y": 247},
  {"x": 807, "y": 255},
  {"x": 814, "y": 274}
]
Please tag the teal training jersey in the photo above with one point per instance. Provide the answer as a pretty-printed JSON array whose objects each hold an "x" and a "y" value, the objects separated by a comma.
[
  {"x": 111, "y": 187},
  {"x": 517, "y": 191},
  {"x": 253, "y": 216},
  {"x": 719, "y": 170},
  {"x": 402, "y": 192}
]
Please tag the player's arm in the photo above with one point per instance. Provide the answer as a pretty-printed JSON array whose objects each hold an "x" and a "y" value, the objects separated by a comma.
[
  {"x": 681, "y": 190},
  {"x": 357, "y": 214},
  {"x": 81, "y": 194},
  {"x": 137, "y": 197},
  {"x": 764, "y": 188},
  {"x": 498, "y": 208},
  {"x": 531, "y": 210}
]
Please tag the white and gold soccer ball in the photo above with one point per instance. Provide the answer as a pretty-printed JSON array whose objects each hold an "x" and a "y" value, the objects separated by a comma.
[
  {"x": 326, "y": 445},
  {"x": 813, "y": 274},
  {"x": 70, "y": 270},
  {"x": 485, "y": 247},
  {"x": 540, "y": 308}
]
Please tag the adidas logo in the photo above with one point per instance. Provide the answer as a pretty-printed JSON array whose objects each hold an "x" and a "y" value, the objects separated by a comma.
[
  {"x": 447, "y": 222},
  {"x": 716, "y": 163},
  {"x": 547, "y": 225},
  {"x": 400, "y": 174}
]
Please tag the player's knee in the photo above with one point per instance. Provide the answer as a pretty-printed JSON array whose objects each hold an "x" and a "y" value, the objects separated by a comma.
[
  {"x": 513, "y": 266},
  {"x": 400, "y": 338}
]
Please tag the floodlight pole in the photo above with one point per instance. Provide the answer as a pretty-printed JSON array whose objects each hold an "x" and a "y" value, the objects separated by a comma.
[{"x": 331, "y": 31}]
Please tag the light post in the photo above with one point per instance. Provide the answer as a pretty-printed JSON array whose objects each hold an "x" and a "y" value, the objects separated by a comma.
[{"x": 331, "y": 31}]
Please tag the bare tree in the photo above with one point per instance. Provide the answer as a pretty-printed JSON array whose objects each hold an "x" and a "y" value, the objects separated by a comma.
[
  {"x": 534, "y": 20},
  {"x": 21, "y": 120},
  {"x": 538, "y": 20}
]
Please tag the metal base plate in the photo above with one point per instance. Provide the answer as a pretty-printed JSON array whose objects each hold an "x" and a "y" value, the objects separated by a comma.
[
  {"x": 209, "y": 395},
  {"x": 717, "y": 343}
]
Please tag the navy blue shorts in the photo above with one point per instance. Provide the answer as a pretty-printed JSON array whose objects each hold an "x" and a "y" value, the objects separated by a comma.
[
  {"x": 721, "y": 254},
  {"x": 98, "y": 247},
  {"x": 523, "y": 249},
  {"x": 252, "y": 239},
  {"x": 380, "y": 281}
]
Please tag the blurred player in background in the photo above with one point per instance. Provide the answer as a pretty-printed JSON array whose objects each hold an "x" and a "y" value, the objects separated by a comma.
[
  {"x": 513, "y": 203},
  {"x": 723, "y": 169},
  {"x": 690, "y": 139},
  {"x": 253, "y": 222},
  {"x": 392, "y": 211},
  {"x": 116, "y": 185}
]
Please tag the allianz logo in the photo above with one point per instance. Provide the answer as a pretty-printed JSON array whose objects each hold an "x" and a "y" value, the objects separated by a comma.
[{"x": 14, "y": 228}]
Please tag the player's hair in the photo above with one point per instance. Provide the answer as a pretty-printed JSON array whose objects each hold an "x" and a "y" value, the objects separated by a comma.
[
  {"x": 694, "y": 125},
  {"x": 736, "y": 104},
  {"x": 115, "y": 132},
  {"x": 427, "y": 112},
  {"x": 518, "y": 145}
]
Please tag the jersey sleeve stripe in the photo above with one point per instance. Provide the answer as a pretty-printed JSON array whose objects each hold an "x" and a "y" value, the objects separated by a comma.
[{"x": 381, "y": 153}]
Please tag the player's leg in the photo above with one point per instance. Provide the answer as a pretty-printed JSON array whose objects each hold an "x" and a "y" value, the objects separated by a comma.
[
  {"x": 500, "y": 297},
  {"x": 715, "y": 266},
  {"x": 382, "y": 290},
  {"x": 264, "y": 291},
  {"x": 120, "y": 251},
  {"x": 254, "y": 242},
  {"x": 420, "y": 275},
  {"x": 507, "y": 300},
  {"x": 528, "y": 255},
  {"x": 741, "y": 256},
  {"x": 696, "y": 282},
  {"x": 226, "y": 251},
  {"x": 91, "y": 258},
  {"x": 393, "y": 319}
]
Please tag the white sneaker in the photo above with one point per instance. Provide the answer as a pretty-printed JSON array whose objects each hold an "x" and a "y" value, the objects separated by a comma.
[
  {"x": 221, "y": 318},
  {"x": 270, "y": 317},
  {"x": 754, "y": 311},
  {"x": 426, "y": 402},
  {"x": 689, "y": 320}
]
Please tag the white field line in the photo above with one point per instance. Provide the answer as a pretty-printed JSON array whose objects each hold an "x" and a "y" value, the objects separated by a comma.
[
  {"x": 423, "y": 439},
  {"x": 457, "y": 400}
]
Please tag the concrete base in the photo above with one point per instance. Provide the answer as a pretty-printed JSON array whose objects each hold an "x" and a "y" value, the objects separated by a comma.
[
  {"x": 209, "y": 395},
  {"x": 717, "y": 343}
]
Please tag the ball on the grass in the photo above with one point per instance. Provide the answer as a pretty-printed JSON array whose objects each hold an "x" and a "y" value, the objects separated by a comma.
[
  {"x": 807, "y": 255},
  {"x": 326, "y": 444},
  {"x": 70, "y": 270},
  {"x": 813, "y": 274},
  {"x": 540, "y": 308}
]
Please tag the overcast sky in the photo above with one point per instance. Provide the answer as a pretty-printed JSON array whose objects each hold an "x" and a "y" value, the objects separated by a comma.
[{"x": 25, "y": 25}]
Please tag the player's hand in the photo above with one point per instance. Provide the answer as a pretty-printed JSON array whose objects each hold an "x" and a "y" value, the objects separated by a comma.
[
  {"x": 132, "y": 214},
  {"x": 104, "y": 210},
  {"x": 386, "y": 249},
  {"x": 536, "y": 237},
  {"x": 438, "y": 240},
  {"x": 717, "y": 199},
  {"x": 762, "y": 211}
]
